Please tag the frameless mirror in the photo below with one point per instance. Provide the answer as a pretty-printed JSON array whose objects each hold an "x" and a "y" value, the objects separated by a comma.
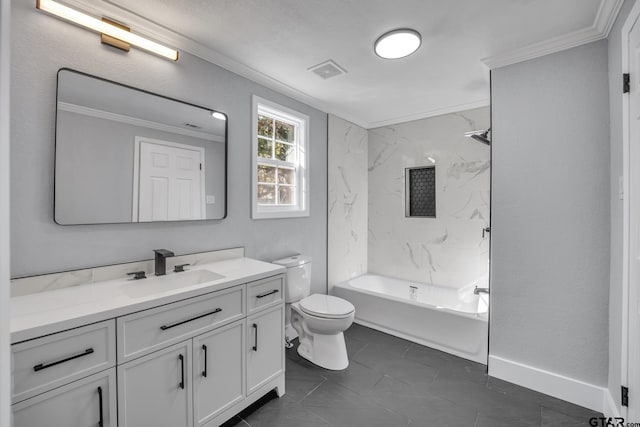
[{"x": 127, "y": 155}]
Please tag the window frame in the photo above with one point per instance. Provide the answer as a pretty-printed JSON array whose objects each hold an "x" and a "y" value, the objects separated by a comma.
[{"x": 261, "y": 106}]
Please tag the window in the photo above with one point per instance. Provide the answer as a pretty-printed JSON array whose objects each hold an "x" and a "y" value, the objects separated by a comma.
[{"x": 280, "y": 161}]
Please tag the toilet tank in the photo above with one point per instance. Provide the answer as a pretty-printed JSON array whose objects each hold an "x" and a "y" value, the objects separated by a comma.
[{"x": 298, "y": 283}]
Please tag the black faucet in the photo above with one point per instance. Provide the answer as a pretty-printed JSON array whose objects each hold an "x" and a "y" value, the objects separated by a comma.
[{"x": 161, "y": 261}]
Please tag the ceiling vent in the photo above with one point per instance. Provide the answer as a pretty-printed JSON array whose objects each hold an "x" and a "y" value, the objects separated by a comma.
[{"x": 327, "y": 69}]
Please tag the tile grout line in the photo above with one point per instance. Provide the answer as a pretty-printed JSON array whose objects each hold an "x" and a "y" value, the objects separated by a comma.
[
  {"x": 324, "y": 380},
  {"x": 358, "y": 352}
]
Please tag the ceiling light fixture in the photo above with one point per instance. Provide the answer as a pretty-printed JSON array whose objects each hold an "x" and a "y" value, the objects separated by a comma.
[
  {"x": 218, "y": 116},
  {"x": 397, "y": 44},
  {"x": 105, "y": 28}
]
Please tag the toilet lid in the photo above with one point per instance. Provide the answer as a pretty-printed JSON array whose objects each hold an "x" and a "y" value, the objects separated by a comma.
[{"x": 326, "y": 306}]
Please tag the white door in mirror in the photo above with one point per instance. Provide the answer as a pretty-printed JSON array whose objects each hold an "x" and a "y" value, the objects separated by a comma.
[{"x": 171, "y": 182}]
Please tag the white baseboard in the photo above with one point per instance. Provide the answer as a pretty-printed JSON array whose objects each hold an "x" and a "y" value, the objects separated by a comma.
[{"x": 565, "y": 388}]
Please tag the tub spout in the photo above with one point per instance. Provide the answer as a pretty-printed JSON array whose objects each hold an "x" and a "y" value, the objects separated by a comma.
[{"x": 478, "y": 290}]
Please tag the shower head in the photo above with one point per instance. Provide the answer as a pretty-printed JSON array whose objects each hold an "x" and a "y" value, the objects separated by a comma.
[{"x": 480, "y": 136}]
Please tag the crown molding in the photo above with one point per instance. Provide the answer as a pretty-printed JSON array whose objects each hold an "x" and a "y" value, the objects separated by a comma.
[
  {"x": 430, "y": 113},
  {"x": 120, "y": 118},
  {"x": 179, "y": 41},
  {"x": 603, "y": 22},
  {"x": 599, "y": 30}
]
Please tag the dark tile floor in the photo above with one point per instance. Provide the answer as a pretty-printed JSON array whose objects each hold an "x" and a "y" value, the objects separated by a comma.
[{"x": 392, "y": 382}]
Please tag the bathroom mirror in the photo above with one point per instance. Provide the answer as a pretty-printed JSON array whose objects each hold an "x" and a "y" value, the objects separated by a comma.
[{"x": 127, "y": 155}]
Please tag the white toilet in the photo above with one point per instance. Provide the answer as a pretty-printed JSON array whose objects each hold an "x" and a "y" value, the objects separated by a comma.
[{"x": 318, "y": 319}]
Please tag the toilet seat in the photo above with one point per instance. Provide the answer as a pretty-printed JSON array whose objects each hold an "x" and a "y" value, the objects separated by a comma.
[{"x": 326, "y": 306}]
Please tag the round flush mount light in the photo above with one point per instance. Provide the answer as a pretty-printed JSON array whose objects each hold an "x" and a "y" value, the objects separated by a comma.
[
  {"x": 398, "y": 43},
  {"x": 218, "y": 116}
]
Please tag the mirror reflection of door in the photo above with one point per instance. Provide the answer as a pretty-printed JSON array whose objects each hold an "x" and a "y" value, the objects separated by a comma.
[{"x": 168, "y": 181}]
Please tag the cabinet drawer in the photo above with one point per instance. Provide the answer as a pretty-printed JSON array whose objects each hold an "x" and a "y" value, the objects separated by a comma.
[
  {"x": 264, "y": 293},
  {"x": 48, "y": 362},
  {"x": 146, "y": 331}
]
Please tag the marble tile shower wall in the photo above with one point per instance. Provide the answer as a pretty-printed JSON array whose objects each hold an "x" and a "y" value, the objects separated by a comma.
[
  {"x": 449, "y": 249},
  {"x": 347, "y": 202}
]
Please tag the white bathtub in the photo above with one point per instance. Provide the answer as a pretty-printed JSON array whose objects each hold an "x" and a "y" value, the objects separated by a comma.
[{"x": 447, "y": 319}]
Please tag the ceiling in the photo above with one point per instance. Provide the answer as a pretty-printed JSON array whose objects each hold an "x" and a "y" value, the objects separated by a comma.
[{"x": 274, "y": 42}]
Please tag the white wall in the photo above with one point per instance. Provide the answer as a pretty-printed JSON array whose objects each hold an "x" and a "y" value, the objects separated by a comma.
[
  {"x": 550, "y": 214},
  {"x": 616, "y": 301},
  {"x": 347, "y": 210},
  {"x": 449, "y": 249},
  {"x": 43, "y": 45},
  {"x": 5, "y": 363}
]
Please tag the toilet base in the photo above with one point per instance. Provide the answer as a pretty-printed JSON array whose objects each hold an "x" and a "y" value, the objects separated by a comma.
[{"x": 326, "y": 351}]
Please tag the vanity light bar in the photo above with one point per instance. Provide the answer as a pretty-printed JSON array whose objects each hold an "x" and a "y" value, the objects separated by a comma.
[{"x": 95, "y": 24}]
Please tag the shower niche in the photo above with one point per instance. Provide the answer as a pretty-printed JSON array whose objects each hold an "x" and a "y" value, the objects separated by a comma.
[{"x": 420, "y": 191}]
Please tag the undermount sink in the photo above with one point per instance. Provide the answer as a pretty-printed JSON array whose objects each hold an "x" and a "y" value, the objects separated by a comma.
[{"x": 153, "y": 284}]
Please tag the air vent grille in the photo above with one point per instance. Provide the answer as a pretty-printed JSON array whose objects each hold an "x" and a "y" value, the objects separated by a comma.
[{"x": 327, "y": 69}]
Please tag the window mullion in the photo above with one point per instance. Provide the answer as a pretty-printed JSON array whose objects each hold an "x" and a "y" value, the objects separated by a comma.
[{"x": 273, "y": 137}]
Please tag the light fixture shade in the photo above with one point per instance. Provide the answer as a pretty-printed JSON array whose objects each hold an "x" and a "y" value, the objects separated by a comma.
[
  {"x": 398, "y": 43},
  {"x": 219, "y": 116},
  {"x": 102, "y": 27}
]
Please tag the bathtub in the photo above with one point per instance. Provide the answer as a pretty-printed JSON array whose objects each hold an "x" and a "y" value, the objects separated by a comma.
[{"x": 447, "y": 319}]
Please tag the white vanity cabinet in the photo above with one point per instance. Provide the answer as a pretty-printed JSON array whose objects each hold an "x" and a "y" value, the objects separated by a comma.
[
  {"x": 155, "y": 390},
  {"x": 219, "y": 371},
  {"x": 265, "y": 355},
  {"x": 90, "y": 401},
  {"x": 186, "y": 362},
  {"x": 205, "y": 373},
  {"x": 66, "y": 379}
]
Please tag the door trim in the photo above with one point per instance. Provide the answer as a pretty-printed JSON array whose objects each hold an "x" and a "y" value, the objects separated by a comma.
[{"x": 625, "y": 355}]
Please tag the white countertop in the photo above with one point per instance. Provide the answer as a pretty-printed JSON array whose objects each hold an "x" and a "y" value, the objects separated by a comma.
[{"x": 53, "y": 311}]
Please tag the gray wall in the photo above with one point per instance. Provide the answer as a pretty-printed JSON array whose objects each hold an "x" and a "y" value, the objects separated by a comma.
[
  {"x": 550, "y": 213},
  {"x": 94, "y": 172},
  {"x": 615, "y": 291},
  {"x": 41, "y": 46}
]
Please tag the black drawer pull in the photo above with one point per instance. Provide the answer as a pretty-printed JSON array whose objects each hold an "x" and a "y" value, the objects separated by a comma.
[
  {"x": 165, "y": 327},
  {"x": 275, "y": 291},
  {"x": 204, "y": 372},
  {"x": 255, "y": 337},
  {"x": 101, "y": 420},
  {"x": 181, "y": 358},
  {"x": 41, "y": 366}
]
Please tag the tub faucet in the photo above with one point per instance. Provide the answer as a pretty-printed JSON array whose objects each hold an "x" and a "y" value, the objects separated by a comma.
[
  {"x": 478, "y": 290},
  {"x": 161, "y": 261}
]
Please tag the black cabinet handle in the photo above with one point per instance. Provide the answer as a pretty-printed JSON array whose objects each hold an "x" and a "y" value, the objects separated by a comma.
[
  {"x": 255, "y": 337},
  {"x": 275, "y": 291},
  {"x": 204, "y": 348},
  {"x": 165, "y": 327},
  {"x": 101, "y": 420},
  {"x": 41, "y": 366},
  {"x": 181, "y": 358},
  {"x": 486, "y": 230}
]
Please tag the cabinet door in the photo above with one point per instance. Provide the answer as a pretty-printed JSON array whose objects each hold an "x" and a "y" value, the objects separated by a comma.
[
  {"x": 155, "y": 390},
  {"x": 219, "y": 366},
  {"x": 265, "y": 347},
  {"x": 90, "y": 401}
]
